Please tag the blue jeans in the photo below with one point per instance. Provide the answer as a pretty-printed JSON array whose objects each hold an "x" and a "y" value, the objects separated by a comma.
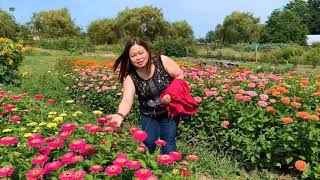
[{"x": 160, "y": 127}]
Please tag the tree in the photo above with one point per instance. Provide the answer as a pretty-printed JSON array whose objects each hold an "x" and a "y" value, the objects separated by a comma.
[
  {"x": 53, "y": 23},
  {"x": 146, "y": 22},
  {"x": 181, "y": 29},
  {"x": 285, "y": 27},
  {"x": 8, "y": 25},
  {"x": 210, "y": 36},
  {"x": 239, "y": 27},
  {"x": 103, "y": 31},
  {"x": 314, "y": 21}
]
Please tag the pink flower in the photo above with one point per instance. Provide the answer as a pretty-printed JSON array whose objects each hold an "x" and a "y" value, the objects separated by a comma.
[
  {"x": 225, "y": 123},
  {"x": 263, "y": 103},
  {"x": 139, "y": 135},
  {"x": 16, "y": 98},
  {"x": 9, "y": 140},
  {"x": 238, "y": 97},
  {"x": 44, "y": 150},
  {"x": 6, "y": 171},
  {"x": 35, "y": 173},
  {"x": 102, "y": 120},
  {"x": 56, "y": 144},
  {"x": 77, "y": 145},
  {"x": 41, "y": 159},
  {"x": 134, "y": 164},
  {"x": 15, "y": 118},
  {"x": 37, "y": 142},
  {"x": 75, "y": 159},
  {"x": 192, "y": 157},
  {"x": 142, "y": 148},
  {"x": 50, "y": 101},
  {"x": 122, "y": 162},
  {"x": 219, "y": 98},
  {"x": 160, "y": 142},
  {"x": 176, "y": 155},
  {"x": 251, "y": 85},
  {"x": 9, "y": 107},
  {"x": 165, "y": 159},
  {"x": 35, "y": 136},
  {"x": 273, "y": 100},
  {"x": 94, "y": 129},
  {"x": 64, "y": 135},
  {"x": 234, "y": 89},
  {"x": 88, "y": 150},
  {"x": 198, "y": 99},
  {"x": 79, "y": 174},
  {"x": 38, "y": 96},
  {"x": 66, "y": 175},
  {"x": 107, "y": 129},
  {"x": 263, "y": 97},
  {"x": 67, "y": 157},
  {"x": 122, "y": 155},
  {"x": 68, "y": 127},
  {"x": 143, "y": 174},
  {"x": 53, "y": 166},
  {"x": 113, "y": 170},
  {"x": 96, "y": 168}
]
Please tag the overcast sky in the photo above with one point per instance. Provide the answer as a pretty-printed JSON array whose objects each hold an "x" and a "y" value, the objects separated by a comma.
[{"x": 202, "y": 15}]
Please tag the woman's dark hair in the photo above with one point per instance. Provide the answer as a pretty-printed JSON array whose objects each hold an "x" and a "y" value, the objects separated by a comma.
[{"x": 124, "y": 59}]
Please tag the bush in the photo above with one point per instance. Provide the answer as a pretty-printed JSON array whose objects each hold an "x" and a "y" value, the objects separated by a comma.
[
  {"x": 11, "y": 56},
  {"x": 313, "y": 56},
  {"x": 71, "y": 44},
  {"x": 175, "y": 48}
]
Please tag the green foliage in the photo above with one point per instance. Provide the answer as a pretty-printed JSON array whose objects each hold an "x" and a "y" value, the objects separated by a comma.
[
  {"x": 313, "y": 56},
  {"x": 285, "y": 27},
  {"x": 178, "y": 47},
  {"x": 8, "y": 25},
  {"x": 11, "y": 56},
  {"x": 238, "y": 27},
  {"x": 73, "y": 45},
  {"x": 181, "y": 29},
  {"x": 103, "y": 31},
  {"x": 53, "y": 24}
]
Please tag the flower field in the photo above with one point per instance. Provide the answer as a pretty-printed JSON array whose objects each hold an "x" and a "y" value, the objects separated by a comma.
[{"x": 268, "y": 120}]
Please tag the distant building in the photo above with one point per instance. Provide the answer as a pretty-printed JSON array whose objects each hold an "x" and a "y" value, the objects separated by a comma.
[{"x": 312, "y": 39}]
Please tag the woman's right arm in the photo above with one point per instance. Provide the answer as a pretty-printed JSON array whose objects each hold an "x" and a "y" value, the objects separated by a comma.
[{"x": 129, "y": 91}]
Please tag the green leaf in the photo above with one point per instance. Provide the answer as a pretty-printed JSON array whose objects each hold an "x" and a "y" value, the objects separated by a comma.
[{"x": 289, "y": 160}]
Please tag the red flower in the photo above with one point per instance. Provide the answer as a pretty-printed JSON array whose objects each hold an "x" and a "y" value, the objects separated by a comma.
[
  {"x": 38, "y": 96},
  {"x": 50, "y": 101}
]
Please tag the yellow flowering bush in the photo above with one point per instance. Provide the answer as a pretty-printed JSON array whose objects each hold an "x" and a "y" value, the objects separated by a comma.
[{"x": 11, "y": 56}]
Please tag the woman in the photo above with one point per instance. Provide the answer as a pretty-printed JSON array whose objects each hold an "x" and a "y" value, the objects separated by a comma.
[{"x": 148, "y": 77}]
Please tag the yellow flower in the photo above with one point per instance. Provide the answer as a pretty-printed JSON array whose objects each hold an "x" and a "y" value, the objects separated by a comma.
[
  {"x": 42, "y": 123},
  {"x": 10, "y": 62},
  {"x": 32, "y": 124},
  {"x": 23, "y": 129},
  {"x": 27, "y": 135},
  {"x": 25, "y": 73},
  {"x": 69, "y": 101},
  {"x": 63, "y": 115},
  {"x": 74, "y": 114},
  {"x": 78, "y": 112},
  {"x": 7, "y": 130},
  {"x": 52, "y": 112},
  {"x": 97, "y": 112},
  {"x": 52, "y": 125},
  {"x": 57, "y": 119},
  {"x": 175, "y": 171}
]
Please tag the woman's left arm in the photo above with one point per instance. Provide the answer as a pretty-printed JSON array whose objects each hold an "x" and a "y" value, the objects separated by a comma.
[{"x": 172, "y": 67}]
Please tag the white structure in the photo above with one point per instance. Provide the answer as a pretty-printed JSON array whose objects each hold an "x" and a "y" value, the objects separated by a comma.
[{"x": 311, "y": 39}]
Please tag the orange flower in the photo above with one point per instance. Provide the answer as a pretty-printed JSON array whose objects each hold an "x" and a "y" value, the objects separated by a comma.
[
  {"x": 304, "y": 81},
  {"x": 316, "y": 94},
  {"x": 276, "y": 93},
  {"x": 283, "y": 90},
  {"x": 303, "y": 115},
  {"x": 301, "y": 165},
  {"x": 282, "y": 84},
  {"x": 285, "y": 100},
  {"x": 313, "y": 117},
  {"x": 287, "y": 120},
  {"x": 296, "y": 104},
  {"x": 297, "y": 98},
  {"x": 270, "y": 108}
]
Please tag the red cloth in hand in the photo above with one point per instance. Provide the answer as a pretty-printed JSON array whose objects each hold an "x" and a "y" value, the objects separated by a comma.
[{"x": 181, "y": 100}]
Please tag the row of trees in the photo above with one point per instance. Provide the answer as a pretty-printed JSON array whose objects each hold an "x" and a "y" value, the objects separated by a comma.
[{"x": 290, "y": 24}]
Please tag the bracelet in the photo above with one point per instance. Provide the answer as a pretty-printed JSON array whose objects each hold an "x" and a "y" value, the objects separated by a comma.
[{"x": 120, "y": 114}]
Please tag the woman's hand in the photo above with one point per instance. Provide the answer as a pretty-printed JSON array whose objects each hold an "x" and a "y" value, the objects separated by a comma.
[
  {"x": 116, "y": 119},
  {"x": 166, "y": 99}
]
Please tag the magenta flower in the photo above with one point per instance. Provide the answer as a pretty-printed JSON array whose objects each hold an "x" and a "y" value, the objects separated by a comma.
[
  {"x": 52, "y": 166},
  {"x": 67, "y": 157},
  {"x": 165, "y": 159},
  {"x": 77, "y": 145},
  {"x": 79, "y": 175},
  {"x": 35, "y": 173},
  {"x": 96, "y": 168},
  {"x": 176, "y": 155},
  {"x": 6, "y": 171},
  {"x": 35, "y": 143},
  {"x": 66, "y": 175},
  {"x": 122, "y": 162},
  {"x": 113, "y": 170},
  {"x": 70, "y": 127},
  {"x": 15, "y": 118},
  {"x": 143, "y": 174},
  {"x": 263, "y": 103},
  {"x": 160, "y": 142},
  {"x": 41, "y": 159},
  {"x": 9, "y": 140},
  {"x": 133, "y": 164},
  {"x": 139, "y": 135}
]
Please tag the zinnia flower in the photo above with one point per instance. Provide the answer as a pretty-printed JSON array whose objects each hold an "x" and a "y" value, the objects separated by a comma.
[
  {"x": 35, "y": 173},
  {"x": 287, "y": 120},
  {"x": 133, "y": 164},
  {"x": 41, "y": 159},
  {"x": 6, "y": 171},
  {"x": 9, "y": 140},
  {"x": 77, "y": 145},
  {"x": 160, "y": 142},
  {"x": 113, "y": 170},
  {"x": 68, "y": 127},
  {"x": 192, "y": 157},
  {"x": 139, "y": 135},
  {"x": 53, "y": 166},
  {"x": 79, "y": 174},
  {"x": 67, "y": 175},
  {"x": 143, "y": 174},
  {"x": 122, "y": 162},
  {"x": 165, "y": 159},
  {"x": 175, "y": 155},
  {"x": 15, "y": 118},
  {"x": 301, "y": 165},
  {"x": 96, "y": 168},
  {"x": 303, "y": 115}
]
